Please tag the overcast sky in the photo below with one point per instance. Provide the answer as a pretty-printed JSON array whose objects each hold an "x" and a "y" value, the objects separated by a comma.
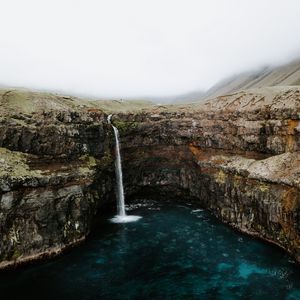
[{"x": 128, "y": 48}]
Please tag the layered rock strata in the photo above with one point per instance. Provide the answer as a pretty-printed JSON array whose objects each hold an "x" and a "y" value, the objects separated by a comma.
[{"x": 236, "y": 155}]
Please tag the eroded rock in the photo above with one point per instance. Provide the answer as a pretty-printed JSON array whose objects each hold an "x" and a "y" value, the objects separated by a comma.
[{"x": 237, "y": 156}]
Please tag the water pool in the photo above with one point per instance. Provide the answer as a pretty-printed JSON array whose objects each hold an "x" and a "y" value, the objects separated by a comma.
[{"x": 173, "y": 252}]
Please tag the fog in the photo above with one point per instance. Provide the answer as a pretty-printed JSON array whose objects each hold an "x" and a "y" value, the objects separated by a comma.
[{"x": 140, "y": 48}]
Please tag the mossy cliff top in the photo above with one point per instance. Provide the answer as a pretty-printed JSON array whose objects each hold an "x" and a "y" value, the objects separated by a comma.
[
  {"x": 273, "y": 100},
  {"x": 14, "y": 101}
]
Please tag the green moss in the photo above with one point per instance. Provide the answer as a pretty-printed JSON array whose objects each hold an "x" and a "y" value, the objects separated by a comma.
[
  {"x": 88, "y": 164},
  {"x": 112, "y": 106},
  {"x": 263, "y": 187},
  {"x": 220, "y": 177},
  {"x": 14, "y": 164},
  {"x": 16, "y": 254},
  {"x": 237, "y": 179},
  {"x": 106, "y": 160},
  {"x": 124, "y": 126},
  {"x": 16, "y": 101},
  {"x": 88, "y": 160}
]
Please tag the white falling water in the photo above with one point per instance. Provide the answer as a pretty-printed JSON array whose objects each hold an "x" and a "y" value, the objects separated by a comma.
[
  {"x": 119, "y": 175},
  {"x": 121, "y": 217}
]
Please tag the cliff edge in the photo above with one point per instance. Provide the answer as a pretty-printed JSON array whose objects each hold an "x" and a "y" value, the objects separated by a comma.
[{"x": 237, "y": 155}]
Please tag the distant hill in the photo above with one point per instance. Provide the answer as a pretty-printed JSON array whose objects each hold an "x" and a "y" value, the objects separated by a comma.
[
  {"x": 178, "y": 99},
  {"x": 285, "y": 75}
]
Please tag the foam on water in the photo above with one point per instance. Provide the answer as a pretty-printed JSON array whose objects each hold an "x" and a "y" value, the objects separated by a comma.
[{"x": 124, "y": 219}]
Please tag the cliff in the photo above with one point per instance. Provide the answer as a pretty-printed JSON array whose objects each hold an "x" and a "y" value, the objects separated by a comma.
[{"x": 236, "y": 155}]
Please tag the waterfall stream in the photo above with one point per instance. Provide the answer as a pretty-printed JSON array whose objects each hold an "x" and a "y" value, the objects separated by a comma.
[{"x": 121, "y": 217}]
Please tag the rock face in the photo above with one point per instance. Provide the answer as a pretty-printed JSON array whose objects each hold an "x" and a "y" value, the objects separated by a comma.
[
  {"x": 47, "y": 208},
  {"x": 236, "y": 155},
  {"x": 55, "y": 176}
]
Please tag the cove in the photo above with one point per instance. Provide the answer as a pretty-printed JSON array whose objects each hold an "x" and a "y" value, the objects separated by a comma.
[{"x": 173, "y": 252}]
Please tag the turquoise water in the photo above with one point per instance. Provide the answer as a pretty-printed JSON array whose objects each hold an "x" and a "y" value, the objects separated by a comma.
[{"x": 173, "y": 252}]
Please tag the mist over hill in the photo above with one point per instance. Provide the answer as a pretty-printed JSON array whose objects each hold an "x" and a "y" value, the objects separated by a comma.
[{"x": 283, "y": 75}]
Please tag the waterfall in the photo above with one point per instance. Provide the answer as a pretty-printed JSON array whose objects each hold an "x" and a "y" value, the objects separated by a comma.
[
  {"x": 119, "y": 175},
  {"x": 121, "y": 217}
]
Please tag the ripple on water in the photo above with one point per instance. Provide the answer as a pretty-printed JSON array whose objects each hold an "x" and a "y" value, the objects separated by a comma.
[
  {"x": 168, "y": 254},
  {"x": 246, "y": 269}
]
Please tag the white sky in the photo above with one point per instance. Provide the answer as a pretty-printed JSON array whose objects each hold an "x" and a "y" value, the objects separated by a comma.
[{"x": 128, "y": 48}]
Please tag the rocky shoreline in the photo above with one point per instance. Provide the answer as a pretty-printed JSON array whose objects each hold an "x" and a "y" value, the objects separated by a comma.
[{"x": 236, "y": 155}]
